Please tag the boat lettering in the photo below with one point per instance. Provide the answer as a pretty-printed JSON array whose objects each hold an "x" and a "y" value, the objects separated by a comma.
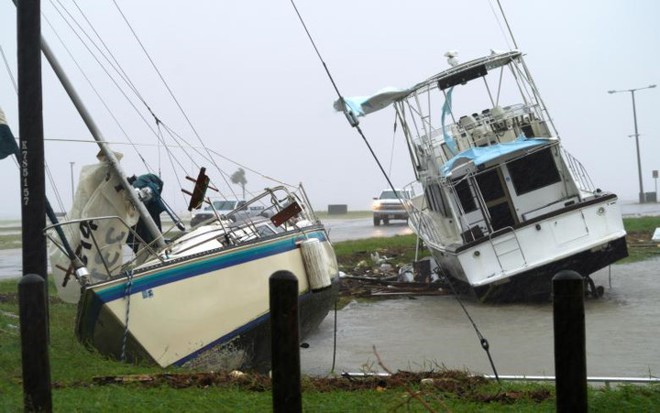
[{"x": 119, "y": 238}]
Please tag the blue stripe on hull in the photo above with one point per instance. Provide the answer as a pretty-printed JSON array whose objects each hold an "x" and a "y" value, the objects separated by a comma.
[{"x": 181, "y": 271}]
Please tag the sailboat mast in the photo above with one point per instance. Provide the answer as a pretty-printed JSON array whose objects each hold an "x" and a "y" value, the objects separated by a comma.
[{"x": 105, "y": 149}]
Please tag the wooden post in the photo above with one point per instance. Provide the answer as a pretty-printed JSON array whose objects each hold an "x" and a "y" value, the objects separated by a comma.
[
  {"x": 34, "y": 344},
  {"x": 570, "y": 342},
  {"x": 285, "y": 342}
]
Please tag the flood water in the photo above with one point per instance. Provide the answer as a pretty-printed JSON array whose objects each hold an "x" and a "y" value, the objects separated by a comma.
[{"x": 426, "y": 332}]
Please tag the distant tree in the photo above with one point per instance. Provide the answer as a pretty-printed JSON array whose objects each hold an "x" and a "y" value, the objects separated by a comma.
[{"x": 238, "y": 178}]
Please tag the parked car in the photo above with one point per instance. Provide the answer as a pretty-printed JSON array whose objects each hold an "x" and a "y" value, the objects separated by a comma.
[
  {"x": 251, "y": 211},
  {"x": 235, "y": 210},
  {"x": 223, "y": 207},
  {"x": 389, "y": 205}
]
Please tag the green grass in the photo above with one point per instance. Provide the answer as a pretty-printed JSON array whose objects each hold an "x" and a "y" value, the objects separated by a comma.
[
  {"x": 10, "y": 241},
  {"x": 641, "y": 224},
  {"x": 357, "y": 253},
  {"x": 323, "y": 215},
  {"x": 640, "y": 230}
]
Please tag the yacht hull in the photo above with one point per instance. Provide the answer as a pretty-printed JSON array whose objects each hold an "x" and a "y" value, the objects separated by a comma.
[
  {"x": 536, "y": 284},
  {"x": 517, "y": 264}
]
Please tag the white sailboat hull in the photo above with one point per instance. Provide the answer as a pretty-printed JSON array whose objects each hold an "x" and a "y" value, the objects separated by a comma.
[{"x": 210, "y": 310}]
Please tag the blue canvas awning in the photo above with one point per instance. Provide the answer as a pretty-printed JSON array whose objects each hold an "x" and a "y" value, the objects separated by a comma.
[{"x": 481, "y": 155}]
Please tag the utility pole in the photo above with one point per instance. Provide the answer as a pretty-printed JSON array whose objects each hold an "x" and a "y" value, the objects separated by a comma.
[{"x": 639, "y": 161}]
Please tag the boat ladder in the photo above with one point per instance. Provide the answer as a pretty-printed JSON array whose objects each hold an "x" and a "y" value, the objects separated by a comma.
[{"x": 507, "y": 249}]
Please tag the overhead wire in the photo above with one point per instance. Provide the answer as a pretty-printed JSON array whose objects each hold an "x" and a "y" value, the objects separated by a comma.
[{"x": 48, "y": 172}]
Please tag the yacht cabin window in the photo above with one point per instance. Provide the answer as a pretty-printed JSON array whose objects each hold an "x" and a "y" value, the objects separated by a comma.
[{"x": 533, "y": 171}]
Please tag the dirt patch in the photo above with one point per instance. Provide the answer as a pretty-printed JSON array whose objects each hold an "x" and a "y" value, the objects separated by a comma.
[{"x": 457, "y": 383}]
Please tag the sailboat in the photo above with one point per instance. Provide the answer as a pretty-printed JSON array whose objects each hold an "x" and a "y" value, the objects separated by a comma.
[
  {"x": 196, "y": 298},
  {"x": 504, "y": 206}
]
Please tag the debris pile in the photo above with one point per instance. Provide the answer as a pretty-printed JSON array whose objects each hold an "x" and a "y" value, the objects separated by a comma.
[{"x": 382, "y": 276}]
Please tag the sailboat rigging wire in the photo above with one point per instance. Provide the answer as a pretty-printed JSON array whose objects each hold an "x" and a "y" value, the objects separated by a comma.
[
  {"x": 172, "y": 160},
  {"x": 81, "y": 31},
  {"x": 11, "y": 75},
  {"x": 169, "y": 90},
  {"x": 118, "y": 67},
  {"x": 349, "y": 114},
  {"x": 109, "y": 57},
  {"x": 121, "y": 73},
  {"x": 49, "y": 174},
  {"x": 95, "y": 90}
]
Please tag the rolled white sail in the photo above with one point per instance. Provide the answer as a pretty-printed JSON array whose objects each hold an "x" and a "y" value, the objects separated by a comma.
[{"x": 98, "y": 243}]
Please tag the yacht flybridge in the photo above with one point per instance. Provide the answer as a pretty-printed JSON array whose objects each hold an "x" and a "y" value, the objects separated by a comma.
[{"x": 504, "y": 206}]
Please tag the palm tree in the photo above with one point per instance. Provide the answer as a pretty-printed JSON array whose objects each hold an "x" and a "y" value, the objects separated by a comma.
[{"x": 238, "y": 178}]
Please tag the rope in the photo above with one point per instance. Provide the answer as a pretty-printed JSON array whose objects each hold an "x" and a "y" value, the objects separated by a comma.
[
  {"x": 482, "y": 340},
  {"x": 127, "y": 296},
  {"x": 334, "y": 340},
  {"x": 354, "y": 123},
  {"x": 350, "y": 116}
]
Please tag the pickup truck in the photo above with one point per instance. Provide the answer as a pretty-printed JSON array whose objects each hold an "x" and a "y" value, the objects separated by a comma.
[
  {"x": 388, "y": 205},
  {"x": 225, "y": 206}
]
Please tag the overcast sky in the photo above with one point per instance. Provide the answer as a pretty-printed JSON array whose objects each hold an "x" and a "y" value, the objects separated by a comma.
[{"x": 255, "y": 91}]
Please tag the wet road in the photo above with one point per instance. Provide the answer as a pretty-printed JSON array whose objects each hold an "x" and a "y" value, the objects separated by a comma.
[
  {"x": 11, "y": 264},
  {"x": 347, "y": 229},
  {"x": 428, "y": 332}
]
